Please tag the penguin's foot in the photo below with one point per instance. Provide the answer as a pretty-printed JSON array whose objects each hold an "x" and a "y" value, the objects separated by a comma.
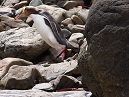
[{"x": 62, "y": 54}]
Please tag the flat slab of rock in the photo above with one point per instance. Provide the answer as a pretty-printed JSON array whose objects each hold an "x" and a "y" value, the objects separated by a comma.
[
  {"x": 44, "y": 86},
  {"x": 54, "y": 70},
  {"x": 25, "y": 43},
  {"x": 64, "y": 81},
  {"x": 38, "y": 93}
]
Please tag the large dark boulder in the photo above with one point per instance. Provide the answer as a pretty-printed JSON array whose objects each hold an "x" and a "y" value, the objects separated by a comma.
[{"x": 105, "y": 63}]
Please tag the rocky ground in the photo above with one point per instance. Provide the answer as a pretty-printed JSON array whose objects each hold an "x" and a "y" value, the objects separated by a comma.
[{"x": 28, "y": 66}]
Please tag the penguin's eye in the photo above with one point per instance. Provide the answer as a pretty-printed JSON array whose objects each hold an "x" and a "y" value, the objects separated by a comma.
[{"x": 23, "y": 9}]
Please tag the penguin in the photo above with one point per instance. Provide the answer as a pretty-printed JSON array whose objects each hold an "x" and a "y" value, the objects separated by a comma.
[{"x": 47, "y": 27}]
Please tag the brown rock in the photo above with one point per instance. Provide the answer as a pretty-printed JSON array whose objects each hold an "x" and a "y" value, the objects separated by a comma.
[
  {"x": 1, "y": 27},
  {"x": 20, "y": 4},
  {"x": 21, "y": 77},
  {"x": 70, "y": 4},
  {"x": 7, "y": 23},
  {"x": 76, "y": 28},
  {"x": 6, "y": 63},
  {"x": 77, "y": 20}
]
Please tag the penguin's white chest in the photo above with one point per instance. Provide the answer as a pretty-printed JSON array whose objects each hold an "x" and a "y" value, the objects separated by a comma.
[{"x": 45, "y": 31}]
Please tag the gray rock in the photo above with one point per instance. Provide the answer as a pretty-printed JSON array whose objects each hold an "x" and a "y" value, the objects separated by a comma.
[
  {"x": 57, "y": 13},
  {"x": 21, "y": 77},
  {"x": 25, "y": 43},
  {"x": 67, "y": 3},
  {"x": 10, "y": 2},
  {"x": 83, "y": 14},
  {"x": 104, "y": 65},
  {"x": 73, "y": 11},
  {"x": 62, "y": 82},
  {"x": 54, "y": 70},
  {"x": 6, "y": 63},
  {"x": 66, "y": 33},
  {"x": 7, "y": 11},
  {"x": 1, "y": 1},
  {"x": 35, "y": 3},
  {"x": 39, "y": 93},
  {"x": 51, "y": 2}
]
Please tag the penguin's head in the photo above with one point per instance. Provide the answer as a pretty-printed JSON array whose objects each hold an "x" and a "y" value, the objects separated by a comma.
[{"x": 25, "y": 12}]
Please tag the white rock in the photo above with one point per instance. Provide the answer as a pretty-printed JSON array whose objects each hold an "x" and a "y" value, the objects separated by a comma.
[
  {"x": 39, "y": 93},
  {"x": 75, "y": 37},
  {"x": 43, "y": 86}
]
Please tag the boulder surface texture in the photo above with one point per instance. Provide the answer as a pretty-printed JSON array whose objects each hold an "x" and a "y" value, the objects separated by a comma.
[{"x": 104, "y": 64}]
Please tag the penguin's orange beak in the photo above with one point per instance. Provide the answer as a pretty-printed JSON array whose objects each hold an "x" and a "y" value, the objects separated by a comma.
[
  {"x": 16, "y": 17},
  {"x": 18, "y": 13}
]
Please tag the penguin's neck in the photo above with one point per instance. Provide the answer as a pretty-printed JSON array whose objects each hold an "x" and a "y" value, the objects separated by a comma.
[{"x": 33, "y": 16}]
